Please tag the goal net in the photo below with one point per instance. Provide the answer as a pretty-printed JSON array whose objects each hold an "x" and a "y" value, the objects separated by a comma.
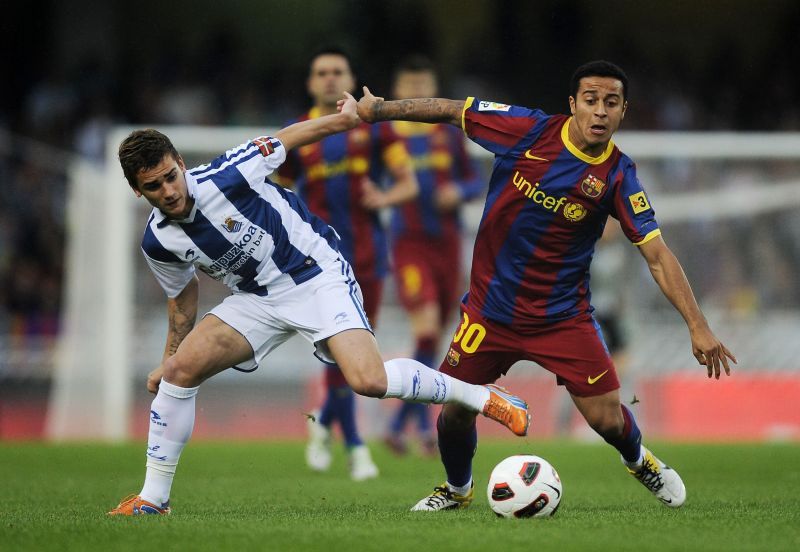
[{"x": 727, "y": 204}]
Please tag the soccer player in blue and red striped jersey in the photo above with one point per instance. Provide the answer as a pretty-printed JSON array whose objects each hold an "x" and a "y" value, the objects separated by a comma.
[
  {"x": 555, "y": 181},
  {"x": 338, "y": 178},
  {"x": 426, "y": 234}
]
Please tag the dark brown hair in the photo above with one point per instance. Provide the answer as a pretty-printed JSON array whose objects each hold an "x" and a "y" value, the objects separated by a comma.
[
  {"x": 599, "y": 68},
  {"x": 143, "y": 150},
  {"x": 414, "y": 64}
]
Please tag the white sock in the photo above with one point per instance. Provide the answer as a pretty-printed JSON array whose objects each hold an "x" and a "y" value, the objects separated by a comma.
[
  {"x": 412, "y": 381},
  {"x": 463, "y": 491},
  {"x": 171, "y": 424}
]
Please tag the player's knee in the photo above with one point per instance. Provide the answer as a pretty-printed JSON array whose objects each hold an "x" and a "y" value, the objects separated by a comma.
[{"x": 180, "y": 373}]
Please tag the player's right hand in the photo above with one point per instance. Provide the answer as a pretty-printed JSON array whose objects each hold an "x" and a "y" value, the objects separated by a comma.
[
  {"x": 154, "y": 379},
  {"x": 710, "y": 352},
  {"x": 367, "y": 105}
]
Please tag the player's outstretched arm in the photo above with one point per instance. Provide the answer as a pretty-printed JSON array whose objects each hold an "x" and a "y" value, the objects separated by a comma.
[
  {"x": 424, "y": 110},
  {"x": 181, "y": 316},
  {"x": 669, "y": 275},
  {"x": 313, "y": 130}
]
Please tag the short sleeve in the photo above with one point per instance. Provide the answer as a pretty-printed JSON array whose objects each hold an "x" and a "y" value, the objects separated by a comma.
[
  {"x": 499, "y": 127},
  {"x": 632, "y": 207},
  {"x": 255, "y": 160},
  {"x": 271, "y": 155},
  {"x": 172, "y": 277}
]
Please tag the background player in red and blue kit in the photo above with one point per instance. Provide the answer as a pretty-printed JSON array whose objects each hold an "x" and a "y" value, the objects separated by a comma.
[
  {"x": 426, "y": 234},
  {"x": 555, "y": 181},
  {"x": 338, "y": 179}
]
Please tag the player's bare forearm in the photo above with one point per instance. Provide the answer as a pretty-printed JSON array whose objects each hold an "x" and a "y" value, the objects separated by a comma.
[
  {"x": 181, "y": 314},
  {"x": 314, "y": 130},
  {"x": 669, "y": 275},
  {"x": 406, "y": 186},
  {"x": 424, "y": 110}
]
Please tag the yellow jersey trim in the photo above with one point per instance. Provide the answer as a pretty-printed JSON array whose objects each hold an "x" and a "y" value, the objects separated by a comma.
[
  {"x": 573, "y": 149},
  {"x": 412, "y": 128},
  {"x": 396, "y": 154},
  {"x": 467, "y": 105},
  {"x": 314, "y": 113},
  {"x": 650, "y": 235}
]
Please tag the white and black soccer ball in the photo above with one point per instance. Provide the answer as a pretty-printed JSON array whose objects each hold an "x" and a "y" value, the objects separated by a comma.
[{"x": 524, "y": 486}]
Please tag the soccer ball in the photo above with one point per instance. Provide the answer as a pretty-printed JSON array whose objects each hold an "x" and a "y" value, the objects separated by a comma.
[{"x": 524, "y": 486}]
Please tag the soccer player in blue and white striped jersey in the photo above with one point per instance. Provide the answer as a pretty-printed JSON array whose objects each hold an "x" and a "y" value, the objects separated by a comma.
[{"x": 286, "y": 276}]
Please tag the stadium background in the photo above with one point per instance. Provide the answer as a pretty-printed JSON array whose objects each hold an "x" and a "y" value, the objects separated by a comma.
[{"x": 72, "y": 71}]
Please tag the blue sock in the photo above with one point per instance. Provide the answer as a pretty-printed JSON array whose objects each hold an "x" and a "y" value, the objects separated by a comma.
[
  {"x": 457, "y": 447},
  {"x": 629, "y": 443},
  {"x": 327, "y": 414},
  {"x": 340, "y": 405},
  {"x": 330, "y": 408},
  {"x": 398, "y": 422},
  {"x": 420, "y": 410},
  {"x": 345, "y": 404}
]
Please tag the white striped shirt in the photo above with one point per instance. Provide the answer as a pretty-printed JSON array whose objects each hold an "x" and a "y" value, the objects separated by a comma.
[{"x": 244, "y": 230}]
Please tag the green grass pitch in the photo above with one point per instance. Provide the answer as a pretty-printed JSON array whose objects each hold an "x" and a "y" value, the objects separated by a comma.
[{"x": 259, "y": 496}]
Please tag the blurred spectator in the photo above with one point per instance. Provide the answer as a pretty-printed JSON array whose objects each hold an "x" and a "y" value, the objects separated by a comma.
[{"x": 219, "y": 75}]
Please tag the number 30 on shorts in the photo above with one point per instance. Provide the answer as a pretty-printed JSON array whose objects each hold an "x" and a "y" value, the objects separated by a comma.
[{"x": 470, "y": 335}]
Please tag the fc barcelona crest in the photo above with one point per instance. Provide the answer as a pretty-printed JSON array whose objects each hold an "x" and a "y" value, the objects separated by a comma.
[
  {"x": 592, "y": 186},
  {"x": 453, "y": 357}
]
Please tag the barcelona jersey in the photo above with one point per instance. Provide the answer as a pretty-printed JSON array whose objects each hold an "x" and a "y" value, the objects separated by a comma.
[
  {"x": 547, "y": 205},
  {"x": 440, "y": 158},
  {"x": 328, "y": 175}
]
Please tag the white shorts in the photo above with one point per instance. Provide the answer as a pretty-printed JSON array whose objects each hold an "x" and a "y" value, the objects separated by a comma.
[{"x": 325, "y": 305}]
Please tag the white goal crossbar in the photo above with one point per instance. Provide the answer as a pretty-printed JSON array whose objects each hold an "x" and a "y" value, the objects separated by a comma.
[{"x": 92, "y": 389}]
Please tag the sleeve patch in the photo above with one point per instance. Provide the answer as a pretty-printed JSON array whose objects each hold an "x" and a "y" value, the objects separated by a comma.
[
  {"x": 265, "y": 145},
  {"x": 493, "y": 106},
  {"x": 639, "y": 202}
]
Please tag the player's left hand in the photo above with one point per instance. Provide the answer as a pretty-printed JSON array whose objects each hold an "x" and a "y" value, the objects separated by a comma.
[
  {"x": 448, "y": 197},
  {"x": 154, "y": 379},
  {"x": 348, "y": 106},
  {"x": 709, "y": 351}
]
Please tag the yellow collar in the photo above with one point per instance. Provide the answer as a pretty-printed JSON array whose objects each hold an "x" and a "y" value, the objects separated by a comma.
[{"x": 573, "y": 149}]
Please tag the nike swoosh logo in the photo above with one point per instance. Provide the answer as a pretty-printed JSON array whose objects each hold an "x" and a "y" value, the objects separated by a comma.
[
  {"x": 556, "y": 490},
  {"x": 592, "y": 380},
  {"x": 529, "y": 155}
]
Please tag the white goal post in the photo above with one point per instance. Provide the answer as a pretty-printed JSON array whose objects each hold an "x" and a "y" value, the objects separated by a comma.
[{"x": 91, "y": 396}]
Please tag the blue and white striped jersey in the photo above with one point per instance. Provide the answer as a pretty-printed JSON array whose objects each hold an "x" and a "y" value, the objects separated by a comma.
[{"x": 251, "y": 234}]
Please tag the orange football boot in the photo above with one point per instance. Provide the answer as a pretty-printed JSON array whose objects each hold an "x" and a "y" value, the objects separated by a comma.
[{"x": 134, "y": 505}]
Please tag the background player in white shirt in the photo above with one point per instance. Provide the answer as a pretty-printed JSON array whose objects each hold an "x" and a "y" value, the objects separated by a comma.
[{"x": 282, "y": 265}]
